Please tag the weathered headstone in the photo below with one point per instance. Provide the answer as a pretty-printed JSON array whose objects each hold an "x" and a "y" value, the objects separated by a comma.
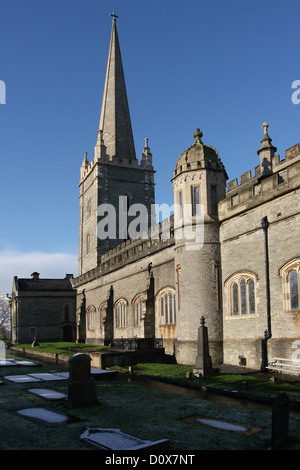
[
  {"x": 2, "y": 351},
  {"x": 280, "y": 420},
  {"x": 203, "y": 366},
  {"x": 82, "y": 387}
]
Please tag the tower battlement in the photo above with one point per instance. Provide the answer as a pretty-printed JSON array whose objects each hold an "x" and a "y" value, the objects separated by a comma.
[
  {"x": 252, "y": 191},
  {"x": 158, "y": 237}
]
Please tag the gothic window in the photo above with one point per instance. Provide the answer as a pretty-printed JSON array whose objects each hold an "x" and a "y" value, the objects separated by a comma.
[
  {"x": 88, "y": 208},
  {"x": 294, "y": 290},
  {"x": 214, "y": 201},
  {"x": 251, "y": 293},
  {"x": 87, "y": 243},
  {"x": 180, "y": 202},
  {"x": 195, "y": 200},
  {"x": 102, "y": 310},
  {"x": 121, "y": 313},
  {"x": 241, "y": 295},
  {"x": 91, "y": 318},
  {"x": 235, "y": 299},
  {"x": 290, "y": 274},
  {"x": 138, "y": 311},
  {"x": 167, "y": 302}
]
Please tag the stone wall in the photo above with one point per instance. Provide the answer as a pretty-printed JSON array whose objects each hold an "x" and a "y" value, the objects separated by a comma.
[
  {"x": 243, "y": 252},
  {"x": 124, "y": 274},
  {"x": 42, "y": 315}
]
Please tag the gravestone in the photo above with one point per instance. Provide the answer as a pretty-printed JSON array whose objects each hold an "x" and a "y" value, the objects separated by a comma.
[
  {"x": 203, "y": 366},
  {"x": 280, "y": 420},
  {"x": 82, "y": 387},
  {"x": 2, "y": 351}
]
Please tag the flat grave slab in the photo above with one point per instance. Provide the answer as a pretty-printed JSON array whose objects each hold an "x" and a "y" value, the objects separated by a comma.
[
  {"x": 21, "y": 378},
  {"x": 43, "y": 415},
  {"x": 222, "y": 425},
  {"x": 101, "y": 372},
  {"x": 25, "y": 363},
  {"x": 43, "y": 376},
  {"x": 46, "y": 376},
  {"x": 94, "y": 372},
  {"x": 114, "y": 439},
  {"x": 16, "y": 362},
  {"x": 49, "y": 394}
]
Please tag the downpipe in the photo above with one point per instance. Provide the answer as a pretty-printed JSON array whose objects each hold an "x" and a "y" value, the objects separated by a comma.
[{"x": 268, "y": 331}]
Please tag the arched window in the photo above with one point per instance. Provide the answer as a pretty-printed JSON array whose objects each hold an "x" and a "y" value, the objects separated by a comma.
[
  {"x": 180, "y": 203},
  {"x": 121, "y": 313},
  {"x": 294, "y": 289},
  {"x": 167, "y": 302},
  {"x": 290, "y": 274},
  {"x": 88, "y": 208},
  {"x": 87, "y": 243},
  {"x": 235, "y": 299},
  {"x": 241, "y": 294},
  {"x": 91, "y": 318},
  {"x": 102, "y": 315},
  {"x": 195, "y": 200},
  {"x": 138, "y": 311}
]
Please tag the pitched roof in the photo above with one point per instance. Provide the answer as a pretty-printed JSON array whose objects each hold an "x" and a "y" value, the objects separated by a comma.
[{"x": 45, "y": 285}]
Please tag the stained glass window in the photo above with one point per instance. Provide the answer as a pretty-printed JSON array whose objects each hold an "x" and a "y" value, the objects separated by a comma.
[
  {"x": 180, "y": 205},
  {"x": 294, "y": 294},
  {"x": 171, "y": 308},
  {"x": 214, "y": 201},
  {"x": 196, "y": 200},
  {"x": 138, "y": 311},
  {"x": 251, "y": 294},
  {"x": 235, "y": 299},
  {"x": 168, "y": 308},
  {"x": 243, "y": 297},
  {"x": 121, "y": 314}
]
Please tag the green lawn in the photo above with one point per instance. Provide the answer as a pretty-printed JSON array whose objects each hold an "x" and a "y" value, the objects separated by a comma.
[
  {"x": 67, "y": 349},
  {"x": 261, "y": 385},
  {"x": 178, "y": 373}
]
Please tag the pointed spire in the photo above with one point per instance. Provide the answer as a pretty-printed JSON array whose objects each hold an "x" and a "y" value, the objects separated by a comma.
[{"x": 115, "y": 124}]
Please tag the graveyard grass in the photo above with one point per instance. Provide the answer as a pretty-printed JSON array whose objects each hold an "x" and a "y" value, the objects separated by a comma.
[{"x": 141, "y": 412}]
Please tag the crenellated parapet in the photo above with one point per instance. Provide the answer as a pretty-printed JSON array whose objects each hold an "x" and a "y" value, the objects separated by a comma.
[
  {"x": 157, "y": 238},
  {"x": 102, "y": 158},
  {"x": 250, "y": 191}
]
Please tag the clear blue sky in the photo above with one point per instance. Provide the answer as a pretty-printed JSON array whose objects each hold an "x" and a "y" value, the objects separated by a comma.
[{"x": 223, "y": 66}]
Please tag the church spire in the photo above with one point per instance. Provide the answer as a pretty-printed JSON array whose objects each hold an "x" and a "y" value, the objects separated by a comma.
[{"x": 115, "y": 131}]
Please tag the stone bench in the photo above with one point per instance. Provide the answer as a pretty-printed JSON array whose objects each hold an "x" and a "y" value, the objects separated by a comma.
[{"x": 280, "y": 364}]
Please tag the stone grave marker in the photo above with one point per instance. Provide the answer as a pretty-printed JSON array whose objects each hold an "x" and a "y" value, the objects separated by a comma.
[
  {"x": 280, "y": 420},
  {"x": 82, "y": 387},
  {"x": 203, "y": 365}
]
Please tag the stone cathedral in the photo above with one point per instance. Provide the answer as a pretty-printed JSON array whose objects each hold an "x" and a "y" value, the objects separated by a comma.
[{"x": 243, "y": 277}]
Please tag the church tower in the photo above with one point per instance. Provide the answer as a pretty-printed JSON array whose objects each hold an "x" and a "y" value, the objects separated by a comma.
[
  {"x": 199, "y": 183},
  {"x": 115, "y": 183}
]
